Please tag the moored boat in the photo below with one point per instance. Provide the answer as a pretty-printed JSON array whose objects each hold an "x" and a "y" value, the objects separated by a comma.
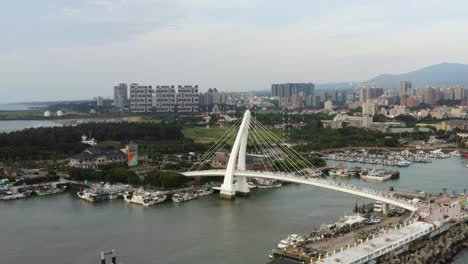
[
  {"x": 93, "y": 196},
  {"x": 403, "y": 163},
  {"x": 376, "y": 175},
  {"x": 266, "y": 184},
  {"x": 252, "y": 185},
  {"x": 204, "y": 192},
  {"x": 143, "y": 198},
  {"x": 339, "y": 172},
  {"x": 9, "y": 195},
  {"x": 183, "y": 197},
  {"x": 48, "y": 190}
]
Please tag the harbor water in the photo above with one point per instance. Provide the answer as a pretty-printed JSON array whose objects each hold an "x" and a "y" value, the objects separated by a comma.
[{"x": 64, "y": 229}]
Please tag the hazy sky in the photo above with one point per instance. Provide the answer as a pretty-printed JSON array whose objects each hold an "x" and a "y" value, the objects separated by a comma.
[{"x": 78, "y": 49}]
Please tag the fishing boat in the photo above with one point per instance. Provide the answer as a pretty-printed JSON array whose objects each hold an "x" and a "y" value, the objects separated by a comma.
[
  {"x": 9, "y": 195},
  {"x": 339, "y": 172},
  {"x": 465, "y": 156},
  {"x": 403, "y": 163},
  {"x": 144, "y": 198},
  {"x": 92, "y": 195},
  {"x": 160, "y": 198},
  {"x": 115, "y": 190},
  {"x": 376, "y": 175},
  {"x": 266, "y": 184},
  {"x": 204, "y": 192},
  {"x": 183, "y": 197},
  {"x": 252, "y": 185},
  {"x": 48, "y": 190},
  {"x": 291, "y": 240}
]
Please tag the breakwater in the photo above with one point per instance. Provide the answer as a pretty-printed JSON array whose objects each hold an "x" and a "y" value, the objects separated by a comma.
[{"x": 441, "y": 249}]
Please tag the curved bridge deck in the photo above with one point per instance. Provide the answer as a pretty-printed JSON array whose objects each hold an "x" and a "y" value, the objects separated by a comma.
[{"x": 327, "y": 184}]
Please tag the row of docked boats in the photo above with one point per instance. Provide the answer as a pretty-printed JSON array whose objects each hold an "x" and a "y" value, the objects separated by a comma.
[
  {"x": 263, "y": 183},
  {"x": 390, "y": 158},
  {"x": 139, "y": 196},
  {"x": 145, "y": 198},
  {"x": 363, "y": 173},
  {"x": 20, "y": 193}
]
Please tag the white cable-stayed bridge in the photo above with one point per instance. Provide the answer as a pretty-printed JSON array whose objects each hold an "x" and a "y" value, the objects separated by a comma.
[{"x": 275, "y": 161}]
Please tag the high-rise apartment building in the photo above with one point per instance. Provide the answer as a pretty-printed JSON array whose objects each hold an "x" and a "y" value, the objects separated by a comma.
[
  {"x": 323, "y": 96},
  {"x": 141, "y": 97},
  {"x": 430, "y": 95},
  {"x": 369, "y": 93},
  {"x": 187, "y": 98},
  {"x": 99, "y": 101},
  {"x": 448, "y": 94},
  {"x": 459, "y": 93},
  {"x": 287, "y": 90},
  {"x": 328, "y": 105},
  {"x": 350, "y": 96},
  {"x": 369, "y": 108},
  {"x": 165, "y": 99},
  {"x": 406, "y": 89},
  {"x": 121, "y": 95},
  {"x": 334, "y": 96},
  {"x": 210, "y": 98}
]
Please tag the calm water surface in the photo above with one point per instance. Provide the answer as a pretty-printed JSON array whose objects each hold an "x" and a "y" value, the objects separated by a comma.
[
  {"x": 64, "y": 229},
  {"x": 15, "y": 125}
]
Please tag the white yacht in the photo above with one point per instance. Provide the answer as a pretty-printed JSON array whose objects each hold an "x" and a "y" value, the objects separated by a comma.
[
  {"x": 376, "y": 175},
  {"x": 15, "y": 195},
  {"x": 183, "y": 197},
  {"x": 291, "y": 240},
  {"x": 140, "y": 198},
  {"x": 115, "y": 190},
  {"x": 93, "y": 195},
  {"x": 265, "y": 184},
  {"x": 339, "y": 172},
  {"x": 403, "y": 163},
  {"x": 204, "y": 192},
  {"x": 252, "y": 185}
]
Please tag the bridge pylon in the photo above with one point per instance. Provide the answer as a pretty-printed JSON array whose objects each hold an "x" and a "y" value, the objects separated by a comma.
[{"x": 237, "y": 161}]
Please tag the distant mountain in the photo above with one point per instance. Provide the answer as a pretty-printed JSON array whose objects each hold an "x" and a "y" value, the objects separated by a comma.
[{"x": 435, "y": 75}]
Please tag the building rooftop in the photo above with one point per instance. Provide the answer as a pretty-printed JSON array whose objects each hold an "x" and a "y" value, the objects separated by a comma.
[
  {"x": 95, "y": 152},
  {"x": 385, "y": 241}
]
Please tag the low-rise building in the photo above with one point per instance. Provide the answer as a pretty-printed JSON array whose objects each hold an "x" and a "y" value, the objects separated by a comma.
[
  {"x": 12, "y": 172},
  {"x": 220, "y": 159},
  {"x": 328, "y": 105},
  {"x": 341, "y": 120},
  {"x": 450, "y": 125},
  {"x": 96, "y": 158}
]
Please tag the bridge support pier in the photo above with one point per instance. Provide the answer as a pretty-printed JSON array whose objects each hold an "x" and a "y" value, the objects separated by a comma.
[
  {"x": 237, "y": 161},
  {"x": 241, "y": 186},
  {"x": 385, "y": 208},
  {"x": 227, "y": 194}
]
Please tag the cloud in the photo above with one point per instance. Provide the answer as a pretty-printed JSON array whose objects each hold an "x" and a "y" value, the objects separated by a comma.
[{"x": 232, "y": 45}]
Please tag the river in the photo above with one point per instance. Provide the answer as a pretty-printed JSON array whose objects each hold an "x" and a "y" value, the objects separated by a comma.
[
  {"x": 15, "y": 125},
  {"x": 63, "y": 229}
]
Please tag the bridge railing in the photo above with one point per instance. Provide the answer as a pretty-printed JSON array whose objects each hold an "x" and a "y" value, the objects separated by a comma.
[
  {"x": 315, "y": 179},
  {"x": 350, "y": 187}
]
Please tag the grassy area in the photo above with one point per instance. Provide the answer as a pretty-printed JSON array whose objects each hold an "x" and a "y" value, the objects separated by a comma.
[
  {"x": 209, "y": 135},
  {"x": 21, "y": 113},
  {"x": 202, "y": 134},
  {"x": 110, "y": 144},
  {"x": 148, "y": 119}
]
